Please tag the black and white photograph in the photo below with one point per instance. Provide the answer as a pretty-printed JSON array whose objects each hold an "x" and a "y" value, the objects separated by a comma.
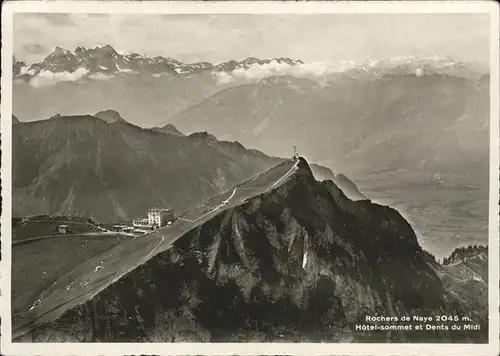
[{"x": 207, "y": 175}]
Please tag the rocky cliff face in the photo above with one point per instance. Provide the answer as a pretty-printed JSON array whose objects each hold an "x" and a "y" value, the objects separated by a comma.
[{"x": 301, "y": 262}]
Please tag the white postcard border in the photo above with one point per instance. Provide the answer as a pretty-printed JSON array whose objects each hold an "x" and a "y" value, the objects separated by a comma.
[{"x": 226, "y": 7}]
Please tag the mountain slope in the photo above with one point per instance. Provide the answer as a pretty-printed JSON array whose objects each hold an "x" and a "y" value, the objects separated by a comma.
[
  {"x": 348, "y": 187},
  {"x": 112, "y": 170},
  {"x": 289, "y": 259}
]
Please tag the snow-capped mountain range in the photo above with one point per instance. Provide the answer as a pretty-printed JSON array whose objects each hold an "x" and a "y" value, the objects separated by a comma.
[
  {"x": 103, "y": 62},
  {"x": 417, "y": 66},
  {"x": 107, "y": 61}
]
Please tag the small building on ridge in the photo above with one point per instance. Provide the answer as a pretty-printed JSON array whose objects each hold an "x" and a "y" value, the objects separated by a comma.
[
  {"x": 160, "y": 217},
  {"x": 157, "y": 218}
]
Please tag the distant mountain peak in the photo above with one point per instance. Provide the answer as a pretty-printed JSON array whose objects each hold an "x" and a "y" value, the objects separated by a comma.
[
  {"x": 169, "y": 129},
  {"x": 250, "y": 62},
  {"x": 416, "y": 66},
  {"x": 172, "y": 130},
  {"x": 107, "y": 48},
  {"x": 109, "y": 116},
  {"x": 465, "y": 253},
  {"x": 55, "y": 116},
  {"x": 105, "y": 59},
  {"x": 60, "y": 51},
  {"x": 203, "y": 135},
  {"x": 289, "y": 61}
]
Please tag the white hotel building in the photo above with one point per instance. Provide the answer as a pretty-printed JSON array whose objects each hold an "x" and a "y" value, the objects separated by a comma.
[{"x": 156, "y": 218}]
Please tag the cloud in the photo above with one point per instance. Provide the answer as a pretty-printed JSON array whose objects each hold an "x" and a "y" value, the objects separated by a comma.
[
  {"x": 48, "y": 78},
  {"x": 224, "y": 78},
  {"x": 34, "y": 48},
  {"x": 257, "y": 72}
]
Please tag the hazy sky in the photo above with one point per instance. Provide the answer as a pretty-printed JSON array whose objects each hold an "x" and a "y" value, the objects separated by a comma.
[{"x": 216, "y": 38}]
